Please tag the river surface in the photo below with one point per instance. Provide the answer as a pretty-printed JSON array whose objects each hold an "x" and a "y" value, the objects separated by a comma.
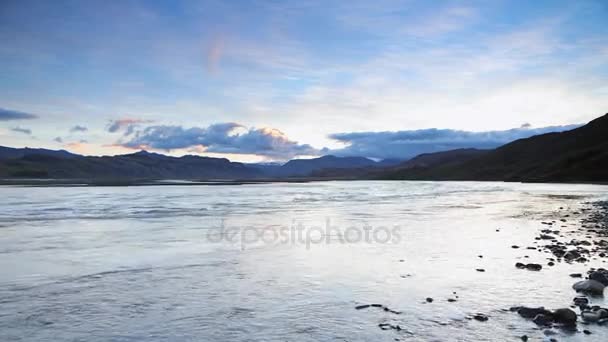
[{"x": 281, "y": 262}]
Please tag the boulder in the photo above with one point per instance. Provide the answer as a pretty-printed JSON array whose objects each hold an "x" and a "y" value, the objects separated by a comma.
[
  {"x": 589, "y": 286},
  {"x": 600, "y": 276},
  {"x": 530, "y": 312},
  {"x": 564, "y": 316},
  {"x": 542, "y": 320}
]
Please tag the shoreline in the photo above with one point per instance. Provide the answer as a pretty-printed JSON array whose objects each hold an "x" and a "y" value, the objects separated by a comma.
[{"x": 80, "y": 182}]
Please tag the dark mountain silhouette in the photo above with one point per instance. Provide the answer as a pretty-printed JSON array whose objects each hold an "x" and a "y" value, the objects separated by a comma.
[
  {"x": 578, "y": 155},
  {"x": 140, "y": 165},
  {"x": 12, "y": 153},
  {"x": 441, "y": 158},
  {"x": 40, "y": 163},
  {"x": 422, "y": 161},
  {"x": 306, "y": 167}
]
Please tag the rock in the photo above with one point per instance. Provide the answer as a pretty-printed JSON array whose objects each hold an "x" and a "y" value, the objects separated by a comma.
[
  {"x": 599, "y": 276},
  {"x": 580, "y": 301},
  {"x": 564, "y": 316},
  {"x": 531, "y": 267},
  {"x": 480, "y": 317},
  {"x": 589, "y": 286},
  {"x": 542, "y": 319},
  {"x": 591, "y": 316},
  {"x": 530, "y": 312},
  {"x": 572, "y": 255}
]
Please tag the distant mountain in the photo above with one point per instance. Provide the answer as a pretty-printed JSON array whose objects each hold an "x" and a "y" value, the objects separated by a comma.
[
  {"x": 140, "y": 165},
  {"x": 578, "y": 155},
  {"x": 426, "y": 160},
  {"x": 306, "y": 167},
  {"x": 11, "y": 153}
]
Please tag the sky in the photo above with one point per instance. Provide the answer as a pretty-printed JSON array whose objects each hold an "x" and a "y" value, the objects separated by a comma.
[{"x": 273, "y": 80}]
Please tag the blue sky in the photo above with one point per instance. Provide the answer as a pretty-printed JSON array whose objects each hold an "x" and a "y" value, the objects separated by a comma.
[{"x": 293, "y": 78}]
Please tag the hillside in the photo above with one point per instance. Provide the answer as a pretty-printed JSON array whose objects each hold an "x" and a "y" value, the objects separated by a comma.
[
  {"x": 131, "y": 166},
  {"x": 579, "y": 155}
]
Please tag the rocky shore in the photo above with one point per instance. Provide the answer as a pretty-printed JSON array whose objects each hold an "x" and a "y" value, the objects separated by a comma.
[
  {"x": 587, "y": 242},
  {"x": 573, "y": 237}
]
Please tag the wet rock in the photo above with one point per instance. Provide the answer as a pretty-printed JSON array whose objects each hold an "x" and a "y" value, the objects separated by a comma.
[
  {"x": 581, "y": 301},
  {"x": 595, "y": 315},
  {"x": 530, "y": 312},
  {"x": 572, "y": 255},
  {"x": 542, "y": 320},
  {"x": 564, "y": 316},
  {"x": 480, "y": 317},
  {"x": 600, "y": 275},
  {"x": 531, "y": 267},
  {"x": 589, "y": 286}
]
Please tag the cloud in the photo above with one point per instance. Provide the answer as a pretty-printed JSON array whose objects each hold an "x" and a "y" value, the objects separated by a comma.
[
  {"x": 408, "y": 144},
  {"x": 22, "y": 130},
  {"x": 78, "y": 128},
  {"x": 221, "y": 138},
  {"x": 7, "y": 114},
  {"x": 126, "y": 124},
  {"x": 58, "y": 139}
]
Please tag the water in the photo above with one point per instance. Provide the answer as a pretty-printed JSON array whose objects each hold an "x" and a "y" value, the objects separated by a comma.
[{"x": 158, "y": 263}]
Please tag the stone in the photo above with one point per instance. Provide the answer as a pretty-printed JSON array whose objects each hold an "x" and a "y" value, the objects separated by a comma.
[
  {"x": 542, "y": 319},
  {"x": 564, "y": 316},
  {"x": 599, "y": 276},
  {"x": 589, "y": 286},
  {"x": 480, "y": 317},
  {"x": 530, "y": 312},
  {"x": 581, "y": 301}
]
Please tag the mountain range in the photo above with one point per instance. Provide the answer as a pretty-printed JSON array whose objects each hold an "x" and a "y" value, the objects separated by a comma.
[{"x": 578, "y": 155}]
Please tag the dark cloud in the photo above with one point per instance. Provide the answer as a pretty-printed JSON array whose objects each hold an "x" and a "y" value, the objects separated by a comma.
[
  {"x": 128, "y": 125},
  {"x": 408, "y": 144},
  {"x": 7, "y": 114},
  {"x": 58, "y": 139},
  {"x": 221, "y": 138},
  {"x": 22, "y": 130},
  {"x": 78, "y": 128}
]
